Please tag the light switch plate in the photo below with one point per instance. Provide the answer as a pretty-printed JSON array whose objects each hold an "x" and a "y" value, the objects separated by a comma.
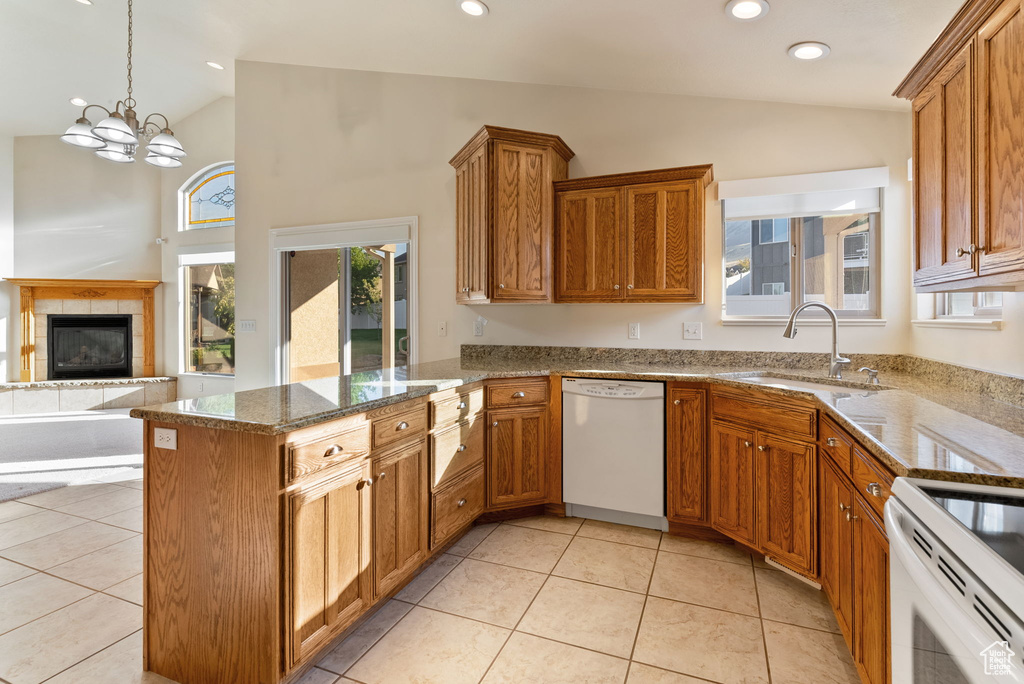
[
  {"x": 693, "y": 331},
  {"x": 165, "y": 438},
  {"x": 246, "y": 326},
  {"x": 634, "y": 331}
]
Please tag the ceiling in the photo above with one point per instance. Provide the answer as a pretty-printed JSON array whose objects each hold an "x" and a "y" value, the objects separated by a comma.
[{"x": 55, "y": 49}]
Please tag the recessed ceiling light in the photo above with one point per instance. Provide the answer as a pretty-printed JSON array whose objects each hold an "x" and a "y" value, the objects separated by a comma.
[
  {"x": 85, "y": 2},
  {"x": 215, "y": 66},
  {"x": 809, "y": 50},
  {"x": 473, "y": 8},
  {"x": 78, "y": 101},
  {"x": 747, "y": 10}
]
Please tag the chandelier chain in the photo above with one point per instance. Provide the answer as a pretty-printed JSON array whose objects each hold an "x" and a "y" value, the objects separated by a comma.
[{"x": 130, "y": 101}]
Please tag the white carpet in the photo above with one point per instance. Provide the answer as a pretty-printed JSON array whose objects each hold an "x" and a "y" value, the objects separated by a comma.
[{"x": 50, "y": 450}]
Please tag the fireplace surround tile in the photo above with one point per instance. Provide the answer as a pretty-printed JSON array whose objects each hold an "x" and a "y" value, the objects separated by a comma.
[
  {"x": 104, "y": 306},
  {"x": 49, "y": 306},
  {"x": 76, "y": 306},
  {"x": 138, "y": 350},
  {"x": 129, "y": 306},
  {"x": 80, "y": 398}
]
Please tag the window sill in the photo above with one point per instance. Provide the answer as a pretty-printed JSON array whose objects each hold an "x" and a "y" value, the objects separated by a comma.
[
  {"x": 781, "y": 322},
  {"x": 193, "y": 374},
  {"x": 961, "y": 323}
]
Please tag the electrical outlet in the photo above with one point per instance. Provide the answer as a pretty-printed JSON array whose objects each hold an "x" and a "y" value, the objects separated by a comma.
[
  {"x": 693, "y": 331},
  {"x": 634, "y": 331},
  {"x": 200, "y": 387},
  {"x": 442, "y": 328},
  {"x": 478, "y": 328},
  {"x": 246, "y": 326},
  {"x": 165, "y": 438}
]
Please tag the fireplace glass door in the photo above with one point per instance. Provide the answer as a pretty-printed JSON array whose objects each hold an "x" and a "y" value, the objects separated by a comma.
[{"x": 89, "y": 346}]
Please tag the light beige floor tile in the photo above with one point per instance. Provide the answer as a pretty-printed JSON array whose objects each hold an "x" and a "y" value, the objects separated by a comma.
[
  {"x": 318, "y": 676},
  {"x": 120, "y": 663},
  {"x": 623, "y": 534},
  {"x": 9, "y": 572},
  {"x": 807, "y": 656},
  {"x": 53, "y": 643},
  {"x": 414, "y": 591},
  {"x": 132, "y": 484},
  {"x": 487, "y": 592},
  {"x": 12, "y": 510},
  {"x": 34, "y": 526},
  {"x": 129, "y": 590},
  {"x": 66, "y": 495},
  {"x": 608, "y": 563},
  {"x": 549, "y": 523},
  {"x": 106, "y": 567},
  {"x": 527, "y": 658},
  {"x": 130, "y": 519},
  {"x": 471, "y": 539},
  {"x": 703, "y": 642},
  {"x": 704, "y": 549},
  {"x": 599, "y": 618},
  {"x": 522, "y": 547},
  {"x": 101, "y": 506},
  {"x": 428, "y": 647},
  {"x": 787, "y": 599},
  {"x": 344, "y": 655},
  {"x": 60, "y": 547},
  {"x": 33, "y": 597},
  {"x": 645, "y": 674},
  {"x": 716, "y": 584}
]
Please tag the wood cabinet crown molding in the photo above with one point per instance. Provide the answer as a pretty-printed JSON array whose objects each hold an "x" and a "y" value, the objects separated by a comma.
[
  {"x": 512, "y": 135},
  {"x": 701, "y": 172}
]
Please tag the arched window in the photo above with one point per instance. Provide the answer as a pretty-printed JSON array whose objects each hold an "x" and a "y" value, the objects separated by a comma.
[{"x": 209, "y": 198}]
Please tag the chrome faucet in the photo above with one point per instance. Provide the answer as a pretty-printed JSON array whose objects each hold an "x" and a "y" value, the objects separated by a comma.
[{"x": 835, "y": 369}]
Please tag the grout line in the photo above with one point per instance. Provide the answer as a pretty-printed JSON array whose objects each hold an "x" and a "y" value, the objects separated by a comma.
[
  {"x": 57, "y": 674},
  {"x": 760, "y": 624},
  {"x": 40, "y": 617},
  {"x": 813, "y": 629},
  {"x": 64, "y": 562}
]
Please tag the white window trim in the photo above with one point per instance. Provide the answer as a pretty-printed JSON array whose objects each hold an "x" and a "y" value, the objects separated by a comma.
[
  {"x": 339, "y": 235},
  {"x": 781, "y": 321},
  {"x": 196, "y": 255},
  {"x": 960, "y": 323}
]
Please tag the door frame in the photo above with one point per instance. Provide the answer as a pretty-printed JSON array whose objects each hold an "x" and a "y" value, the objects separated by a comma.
[{"x": 338, "y": 236}]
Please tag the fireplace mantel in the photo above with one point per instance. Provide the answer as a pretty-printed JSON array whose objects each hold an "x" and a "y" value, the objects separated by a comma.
[{"x": 46, "y": 288}]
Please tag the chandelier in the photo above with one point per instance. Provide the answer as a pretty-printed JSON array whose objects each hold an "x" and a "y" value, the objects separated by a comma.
[{"x": 117, "y": 137}]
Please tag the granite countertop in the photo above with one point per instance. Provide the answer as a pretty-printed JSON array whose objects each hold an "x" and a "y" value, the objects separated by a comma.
[{"x": 918, "y": 427}]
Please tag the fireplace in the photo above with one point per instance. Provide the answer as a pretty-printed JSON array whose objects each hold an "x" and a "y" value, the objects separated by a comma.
[{"x": 89, "y": 346}]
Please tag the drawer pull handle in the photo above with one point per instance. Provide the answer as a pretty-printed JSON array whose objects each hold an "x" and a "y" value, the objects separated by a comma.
[
  {"x": 462, "y": 405},
  {"x": 761, "y": 447},
  {"x": 402, "y": 426},
  {"x": 874, "y": 489},
  {"x": 850, "y": 517},
  {"x": 462, "y": 447},
  {"x": 519, "y": 395},
  {"x": 462, "y": 502},
  {"x": 746, "y": 444},
  {"x": 832, "y": 441},
  {"x": 333, "y": 451}
]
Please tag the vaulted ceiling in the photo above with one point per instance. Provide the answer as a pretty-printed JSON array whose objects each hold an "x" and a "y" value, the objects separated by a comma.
[{"x": 52, "y": 50}]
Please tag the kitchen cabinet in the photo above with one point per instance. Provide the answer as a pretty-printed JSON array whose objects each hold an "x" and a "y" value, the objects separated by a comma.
[
  {"x": 400, "y": 504},
  {"x": 516, "y": 457},
  {"x": 871, "y": 594},
  {"x": 732, "y": 482},
  {"x": 686, "y": 454},
  {"x": 328, "y": 565},
  {"x": 836, "y": 572},
  {"x": 636, "y": 237},
  {"x": 505, "y": 215},
  {"x": 969, "y": 152},
  {"x": 786, "y": 484},
  {"x": 457, "y": 448}
]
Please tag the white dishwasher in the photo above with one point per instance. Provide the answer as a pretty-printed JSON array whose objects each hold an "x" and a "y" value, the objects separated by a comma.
[{"x": 613, "y": 451}]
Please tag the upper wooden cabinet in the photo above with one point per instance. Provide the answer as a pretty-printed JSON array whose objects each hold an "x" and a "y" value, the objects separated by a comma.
[
  {"x": 505, "y": 215},
  {"x": 635, "y": 237},
  {"x": 969, "y": 151}
]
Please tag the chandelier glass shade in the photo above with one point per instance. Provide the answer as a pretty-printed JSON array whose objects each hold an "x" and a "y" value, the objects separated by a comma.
[{"x": 117, "y": 137}]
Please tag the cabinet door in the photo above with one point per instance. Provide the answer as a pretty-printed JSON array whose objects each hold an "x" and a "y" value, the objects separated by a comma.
[
  {"x": 1000, "y": 93},
  {"x": 328, "y": 562},
  {"x": 521, "y": 252},
  {"x": 399, "y": 516},
  {"x": 517, "y": 446},
  {"x": 589, "y": 241},
  {"x": 665, "y": 241},
  {"x": 835, "y": 513},
  {"x": 871, "y": 597},
  {"x": 471, "y": 227},
  {"x": 732, "y": 482},
  {"x": 687, "y": 473},
  {"x": 786, "y": 477},
  {"x": 944, "y": 210}
]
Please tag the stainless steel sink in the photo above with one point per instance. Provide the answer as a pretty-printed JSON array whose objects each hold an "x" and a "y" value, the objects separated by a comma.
[{"x": 788, "y": 383}]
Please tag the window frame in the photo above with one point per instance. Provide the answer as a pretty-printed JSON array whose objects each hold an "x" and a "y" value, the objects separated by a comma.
[
  {"x": 185, "y": 199},
  {"x": 981, "y": 312},
  {"x": 216, "y": 255}
]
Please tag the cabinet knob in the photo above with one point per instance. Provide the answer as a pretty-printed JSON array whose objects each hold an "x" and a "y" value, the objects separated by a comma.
[
  {"x": 677, "y": 402},
  {"x": 402, "y": 426},
  {"x": 519, "y": 395},
  {"x": 971, "y": 250},
  {"x": 850, "y": 517},
  {"x": 465, "y": 289},
  {"x": 501, "y": 286},
  {"x": 761, "y": 447},
  {"x": 462, "y": 405},
  {"x": 629, "y": 287},
  {"x": 494, "y": 424},
  {"x": 462, "y": 447},
  {"x": 615, "y": 287},
  {"x": 874, "y": 489},
  {"x": 832, "y": 441},
  {"x": 842, "y": 506},
  {"x": 746, "y": 443},
  {"x": 462, "y": 502},
  {"x": 368, "y": 481},
  {"x": 381, "y": 476},
  {"x": 333, "y": 451}
]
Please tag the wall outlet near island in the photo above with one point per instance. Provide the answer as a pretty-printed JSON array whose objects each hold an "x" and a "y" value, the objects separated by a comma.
[
  {"x": 165, "y": 438},
  {"x": 634, "y": 331},
  {"x": 693, "y": 331}
]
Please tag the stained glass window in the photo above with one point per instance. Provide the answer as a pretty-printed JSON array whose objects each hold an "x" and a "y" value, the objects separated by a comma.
[{"x": 210, "y": 198}]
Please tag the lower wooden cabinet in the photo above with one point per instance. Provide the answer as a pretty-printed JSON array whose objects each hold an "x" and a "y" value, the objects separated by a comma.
[
  {"x": 399, "y": 492},
  {"x": 786, "y": 482},
  {"x": 732, "y": 482},
  {"x": 836, "y": 539},
  {"x": 517, "y": 455},
  {"x": 871, "y": 594},
  {"x": 328, "y": 560},
  {"x": 686, "y": 455},
  {"x": 456, "y": 505}
]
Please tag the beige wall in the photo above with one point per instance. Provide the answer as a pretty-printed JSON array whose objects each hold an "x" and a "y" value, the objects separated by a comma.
[
  {"x": 8, "y": 341},
  {"x": 993, "y": 350},
  {"x": 324, "y": 145}
]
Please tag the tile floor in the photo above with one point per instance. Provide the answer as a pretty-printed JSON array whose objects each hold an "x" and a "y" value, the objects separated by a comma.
[{"x": 541, "y": 600}]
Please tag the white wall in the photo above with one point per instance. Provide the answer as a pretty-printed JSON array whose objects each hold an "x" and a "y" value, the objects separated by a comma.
[
  {"x": 321, "y": 145},
  {"x": 993, "y": 350},
  {"x": 8, "y": 307},
  {"x": 209, "y": 138}
]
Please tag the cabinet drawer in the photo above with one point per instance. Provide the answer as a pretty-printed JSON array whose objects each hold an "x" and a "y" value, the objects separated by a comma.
[
  {"x": 836, "y": 443},
  {"x": 391, "y": 429},
  {"x": 312, "y": 456},
  {"x": 451, "y": 410},
  {"x": 518, "y": 393},
  {"x": 456, "y": 449},
  {"x": 456, "y": 505},
  {"x": 769, "y": 414},
  {"x": 873, "y": 482}
]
